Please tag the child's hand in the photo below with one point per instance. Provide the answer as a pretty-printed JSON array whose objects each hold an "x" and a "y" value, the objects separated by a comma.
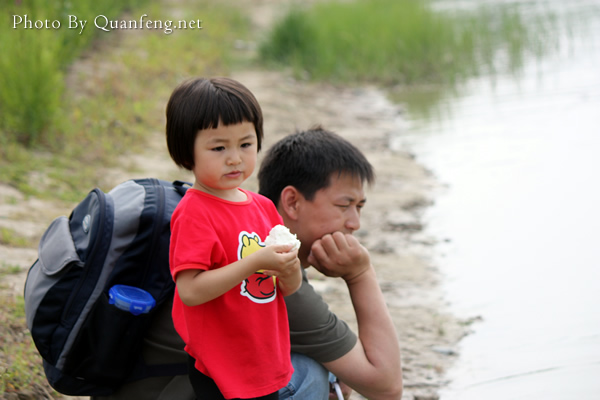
[{"x": 279, "y": 261}]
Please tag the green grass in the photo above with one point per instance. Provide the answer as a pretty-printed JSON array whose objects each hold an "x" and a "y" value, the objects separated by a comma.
[
  {"x": 401, "y": 41},
  {"x": 8, "y": 269},
  {"x": 33, "y": 60},
  {"x": 9, "y": 237},
  {"x": 115, "y": 100},
  {"x": 20, "y": 363}
]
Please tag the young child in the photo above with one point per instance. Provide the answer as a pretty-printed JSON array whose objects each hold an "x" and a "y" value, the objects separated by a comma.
[{"x": 232, "y": 318}]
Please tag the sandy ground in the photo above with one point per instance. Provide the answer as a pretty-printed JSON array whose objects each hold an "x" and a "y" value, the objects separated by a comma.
[{"x": 391, "y": 225}]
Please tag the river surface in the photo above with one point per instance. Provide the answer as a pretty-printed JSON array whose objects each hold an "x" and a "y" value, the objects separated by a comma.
[{"x": 518, "y": 220}]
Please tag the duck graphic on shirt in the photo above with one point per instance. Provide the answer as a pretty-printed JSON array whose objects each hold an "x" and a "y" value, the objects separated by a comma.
[{"x": 258, "y": 287}]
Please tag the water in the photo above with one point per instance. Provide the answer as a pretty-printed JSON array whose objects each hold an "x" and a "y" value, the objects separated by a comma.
[{"x": 520, "y": 158}]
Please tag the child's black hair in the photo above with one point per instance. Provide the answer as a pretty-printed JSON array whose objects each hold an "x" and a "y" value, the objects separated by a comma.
[{"x": 203, "y": 103}]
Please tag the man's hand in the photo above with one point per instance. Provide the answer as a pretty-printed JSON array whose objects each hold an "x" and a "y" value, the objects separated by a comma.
[{"x": 339, "y": 255}]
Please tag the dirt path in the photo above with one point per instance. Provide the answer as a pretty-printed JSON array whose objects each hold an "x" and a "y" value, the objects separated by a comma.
[{"x": 391, "y": 227}]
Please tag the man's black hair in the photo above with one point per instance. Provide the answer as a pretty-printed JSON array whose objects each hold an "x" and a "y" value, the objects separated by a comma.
[{"x": 307, "y": 160}]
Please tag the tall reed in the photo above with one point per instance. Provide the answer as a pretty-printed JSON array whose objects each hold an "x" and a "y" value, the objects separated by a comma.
[{"x": 397, "y": 41}]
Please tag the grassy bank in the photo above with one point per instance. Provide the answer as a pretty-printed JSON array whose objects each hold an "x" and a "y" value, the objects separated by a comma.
[
  {"x": 104, "y": 104},
  {"x": 402, "y": 42},
  {"x": 37, "y": 45}
]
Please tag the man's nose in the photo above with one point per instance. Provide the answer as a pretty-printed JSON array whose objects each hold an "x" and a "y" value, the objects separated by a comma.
[{"x": 353, "y": 221}]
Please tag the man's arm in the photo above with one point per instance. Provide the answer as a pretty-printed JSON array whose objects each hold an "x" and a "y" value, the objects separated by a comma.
[{"x": 373, "y": 366}]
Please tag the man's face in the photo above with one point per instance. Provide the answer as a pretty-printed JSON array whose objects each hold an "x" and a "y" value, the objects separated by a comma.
[{"x": 335, "y": 208}]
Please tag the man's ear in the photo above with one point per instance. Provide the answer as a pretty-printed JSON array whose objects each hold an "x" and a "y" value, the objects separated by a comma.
[{"x": 289, "y": 202}]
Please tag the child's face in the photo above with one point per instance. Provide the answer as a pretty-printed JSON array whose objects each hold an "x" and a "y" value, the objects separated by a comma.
[{"x": 224, "y": 157}]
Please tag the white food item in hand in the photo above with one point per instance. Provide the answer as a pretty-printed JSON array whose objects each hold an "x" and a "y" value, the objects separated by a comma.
[{"x": 282, "y": 235}]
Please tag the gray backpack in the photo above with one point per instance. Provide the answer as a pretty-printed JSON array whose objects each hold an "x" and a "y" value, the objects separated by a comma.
[{"x": 100, "y": 274}]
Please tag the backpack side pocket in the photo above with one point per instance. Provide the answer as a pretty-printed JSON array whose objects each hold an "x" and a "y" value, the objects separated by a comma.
[
  {"x": 58, "y": 265},
  {"x": 108, "y": 344}
]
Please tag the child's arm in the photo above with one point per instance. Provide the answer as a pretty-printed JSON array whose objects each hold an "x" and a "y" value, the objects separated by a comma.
[{"x": 197, "y": 287}]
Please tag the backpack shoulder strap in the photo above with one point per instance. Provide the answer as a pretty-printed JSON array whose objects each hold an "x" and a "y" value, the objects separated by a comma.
[{"x": 181, "y": 187}]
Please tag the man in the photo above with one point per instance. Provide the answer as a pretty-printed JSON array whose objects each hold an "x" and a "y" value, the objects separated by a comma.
[{"x": 315, "y": 178}]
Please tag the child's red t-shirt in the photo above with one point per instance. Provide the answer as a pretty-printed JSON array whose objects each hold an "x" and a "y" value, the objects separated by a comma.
[{"x": 240, "y": 339}]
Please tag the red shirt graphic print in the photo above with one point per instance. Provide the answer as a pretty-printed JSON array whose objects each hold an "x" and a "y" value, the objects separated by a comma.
[{"x": 258, "y": 287}]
